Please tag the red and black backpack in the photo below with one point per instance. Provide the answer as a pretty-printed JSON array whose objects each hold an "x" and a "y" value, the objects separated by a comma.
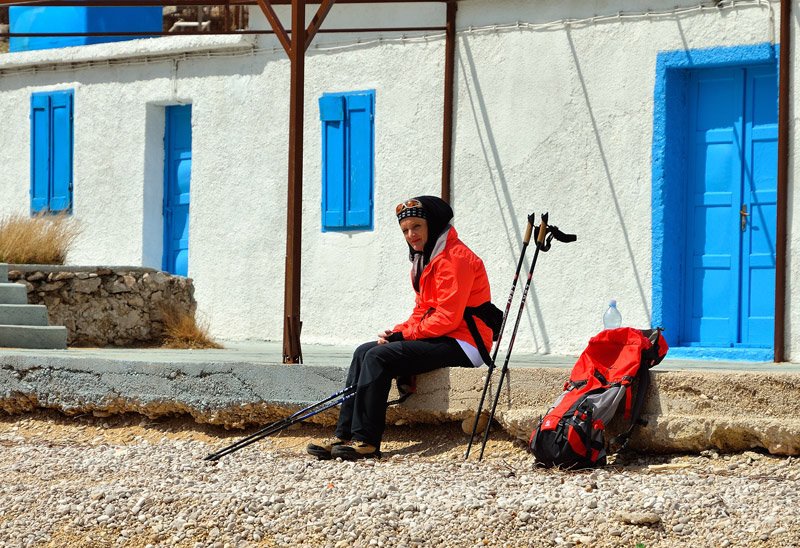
[{"x": 570, "y": 435}]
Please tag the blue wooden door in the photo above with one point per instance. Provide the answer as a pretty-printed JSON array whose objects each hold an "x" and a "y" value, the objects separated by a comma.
[
  {"x": 177, "y": 179},
  {"x": 729, "y": 266},
  {"x": 760, "y": 201}
]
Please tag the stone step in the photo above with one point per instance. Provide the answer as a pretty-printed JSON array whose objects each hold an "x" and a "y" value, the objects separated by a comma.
[
  {"x": 3, "y": 273},
  {"x": 13, "y": 293},
  {"x": 33, "y": 336},
  {"x": 23, "y": 314}
]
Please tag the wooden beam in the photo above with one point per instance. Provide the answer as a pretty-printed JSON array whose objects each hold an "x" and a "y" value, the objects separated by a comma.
[
  {"x": 449, "y": 77},
  {"x": 781, "y": 221},
  {"x": 316, "y": 22},
  {"x": 277, "y": 26},
  {"x": 294, "y": 208}
]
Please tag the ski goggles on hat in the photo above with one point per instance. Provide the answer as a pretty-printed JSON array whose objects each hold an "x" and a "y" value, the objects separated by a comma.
[
  {"x": 408, "y": 204},
  {"x": 410, "y": 208}
]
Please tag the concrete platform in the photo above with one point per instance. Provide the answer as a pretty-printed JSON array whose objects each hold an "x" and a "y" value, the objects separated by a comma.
[{"x": 692, "y": 405}]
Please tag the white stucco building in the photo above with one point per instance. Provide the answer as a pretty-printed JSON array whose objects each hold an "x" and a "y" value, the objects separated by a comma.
[{"x": 647, "y": 129}]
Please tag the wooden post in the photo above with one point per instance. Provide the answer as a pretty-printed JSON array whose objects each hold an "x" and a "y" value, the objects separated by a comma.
[
  {"x": 294, "y": 206},
  {"x": 295, "y": 47},
  {"x": 449, "y": 76},
  {"x": 783, "y": 181}
]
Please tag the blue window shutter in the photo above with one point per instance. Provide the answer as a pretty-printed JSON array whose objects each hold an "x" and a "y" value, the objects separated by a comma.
[
  {"x": 61, "y": 115},
  {"x": 331, "y": 110},
  {"x": 360, "y": 122},
  {"x": 40, "y": 152}
]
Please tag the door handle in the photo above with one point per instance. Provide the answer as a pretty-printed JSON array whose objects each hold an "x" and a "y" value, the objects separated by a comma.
[{"x": 743, "y": 214}]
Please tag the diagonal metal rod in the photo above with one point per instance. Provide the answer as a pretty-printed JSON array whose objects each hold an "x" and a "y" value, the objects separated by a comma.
[
  {"x": 525, "y": 242},
  {"x": 285, "y": 422}
]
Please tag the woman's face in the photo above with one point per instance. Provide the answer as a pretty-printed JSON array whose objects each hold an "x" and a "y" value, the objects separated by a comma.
[{"x": 416, "y": 232}]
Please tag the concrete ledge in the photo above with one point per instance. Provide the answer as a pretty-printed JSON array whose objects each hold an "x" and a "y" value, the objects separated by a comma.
[
  {"x": 687, "y": 410},
  {"x": 23, "y": 314},
  {"x": 11, "y": 293},
  {"x": 33, "y": 336}
]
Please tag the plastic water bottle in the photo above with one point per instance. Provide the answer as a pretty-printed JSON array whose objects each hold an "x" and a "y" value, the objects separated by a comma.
[{"x": 612, "y": 319}]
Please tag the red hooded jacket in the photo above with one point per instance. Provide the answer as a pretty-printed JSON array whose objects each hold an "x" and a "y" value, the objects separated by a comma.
[{"x": 454, "y": 279}]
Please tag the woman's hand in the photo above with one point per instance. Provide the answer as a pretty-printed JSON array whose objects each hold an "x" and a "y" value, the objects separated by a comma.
[{"x": 390, "y": 336}]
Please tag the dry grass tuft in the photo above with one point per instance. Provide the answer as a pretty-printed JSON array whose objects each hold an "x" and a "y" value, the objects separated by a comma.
[
  {"x": 40, "y": 239},
  {"x": 182, "y": 330}
]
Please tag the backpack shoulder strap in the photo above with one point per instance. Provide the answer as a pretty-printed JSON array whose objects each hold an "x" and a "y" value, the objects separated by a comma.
[
  {"x": 492, "y": 317},
  {"x": 406, "y": 385},
  {"x": 650, "y": 357},
  {"x": 644, "y": 382}
]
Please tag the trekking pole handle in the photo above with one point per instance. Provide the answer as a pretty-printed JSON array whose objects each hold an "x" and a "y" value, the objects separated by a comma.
[
  {"x": 560, "y": 236},
  {"x": 541, "y": 232},
  {"x": 546, "y": 233},
  {"x": 531, "y": 219}
]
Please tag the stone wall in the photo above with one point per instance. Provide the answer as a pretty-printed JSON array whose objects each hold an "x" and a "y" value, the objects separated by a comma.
[{"x": 114, "y": 306}]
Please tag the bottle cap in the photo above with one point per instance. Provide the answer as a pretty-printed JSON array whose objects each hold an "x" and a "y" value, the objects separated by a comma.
[{"x": 613, "y": 303}]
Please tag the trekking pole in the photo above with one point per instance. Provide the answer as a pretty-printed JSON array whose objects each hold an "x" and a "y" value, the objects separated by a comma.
[
  {"x": 544, "y": 235},
  {"x": 285, "y": 423},
  {"x": 525, "y": 242}
]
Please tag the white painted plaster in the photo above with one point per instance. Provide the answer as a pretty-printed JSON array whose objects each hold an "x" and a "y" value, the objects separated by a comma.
[{"x": 556, "y": 120}]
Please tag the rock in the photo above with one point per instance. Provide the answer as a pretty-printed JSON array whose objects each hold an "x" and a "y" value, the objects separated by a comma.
[
  {"x": 51, "y": 286},
  {"x": 86, "y": 286},
  {"x": 639, "y": 518},
  {"x": 62, "y": 276},
  {"x": 469, "y": 422},
  {"x": 119, "y": 286}
]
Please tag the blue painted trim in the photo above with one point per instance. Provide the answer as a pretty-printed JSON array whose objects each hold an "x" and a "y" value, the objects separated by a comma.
[
  {"x": 721, "y": 354},
  {"x": 371, "y": 190},
  {"x": 669, "y": 121}
]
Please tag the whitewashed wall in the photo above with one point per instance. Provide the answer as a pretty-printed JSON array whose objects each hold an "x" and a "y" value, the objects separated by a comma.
[{"x": 554, "y": 119}]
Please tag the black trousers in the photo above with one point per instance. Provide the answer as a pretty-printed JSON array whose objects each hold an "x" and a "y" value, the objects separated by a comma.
[{"x": 363, "y": 417}]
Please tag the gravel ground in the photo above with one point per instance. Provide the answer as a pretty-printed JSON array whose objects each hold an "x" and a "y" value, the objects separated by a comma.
[{"x": 126, "y": 481}]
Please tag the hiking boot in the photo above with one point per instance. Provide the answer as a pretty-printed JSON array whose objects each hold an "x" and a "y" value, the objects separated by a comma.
[
  {"x": 360, "y": 450},
  {"x": 322, "y": 449}
]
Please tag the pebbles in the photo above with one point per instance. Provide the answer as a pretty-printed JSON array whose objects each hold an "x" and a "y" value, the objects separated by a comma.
[{"x": 68, "y": 488}]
